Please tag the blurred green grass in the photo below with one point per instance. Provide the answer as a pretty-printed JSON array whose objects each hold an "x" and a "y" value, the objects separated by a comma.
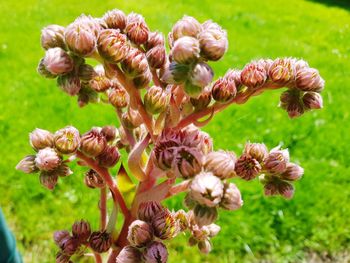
[{"x": 270, "y": 229}]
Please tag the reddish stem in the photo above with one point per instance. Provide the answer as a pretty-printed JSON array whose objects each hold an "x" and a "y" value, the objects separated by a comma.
[
  {"x": 98, "y": 258},
  {"x": 156, "y": 78},
  {"x": 103, "y": 208}
]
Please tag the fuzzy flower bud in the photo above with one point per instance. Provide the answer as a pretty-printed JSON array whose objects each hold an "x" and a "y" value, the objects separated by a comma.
[
  {"x": 57, "y": 61},
  {"x": 69, "y": 83},
  {"x": 109, "y": 157},
  {"x": 140, "y": 233},
  {"x": 93, "y": 143},
  {"x": 142, "y": 80},
  {"x": 181, "y": 218},
  {"x": 62, "y": 171},
  {"x": 148, "y": 210},
  {"x": 188, "y": 162},
  {"x": 109, "y": 132},
  {"x": 47, "y": 159},
  {"x": 207, "y": 189},
  {"x": 186, "y": 50},
  {"x": 187, "y": 26},
  {"x": 69, "y": 245},
  {"x": 164, "y": 154},
  {"x": 213, "y": 230},
  {"x": 154, "y": 39},
  {"x": 164, "y": 225},
  {"x": 80, "y": 39},
  {"x": 87, "y": 95},
  {"x": 202, "y": 101},
  {"x": 27, "y": 165},
  {"x": 156, "y": 57},
  {"x": 86, "y": 72},
  {"x": 156, "y": 252},
  {"x": 67, "y": 140},
  {"x": 175, "y": 73},
  {"x": 204, "y": 246},
  {"x": 112, "y": 45},
  {"x": 204, "y": 215},
  {"x": 62, "y": 258},
  {"x": 136, "y": 29},
  {"x": 100, "y": 241},
  {"x": 277, "y": 160},
  {"x": 221, "y": 164},
  {"x": 309, "y": 79},
  {"x": 129, "y": 254},
  {"x": 234, "y": 75},
  {"x": 40, "y": 139},
  {"x": 232, "y": 199},
  {"x": 224, "y": 89},
  {"x": 312, "y": 100},
  {"x": 277, "y": 187},
  {"x": 282, "y": 71},
  {"x": 291, "y": 101},
  {"x": 213, "y": 41},
  {"x": 52, "y": 36},
  {"x": 48, "y": 179},
  {"x": 135, "y": 63},
  {"x": 201, "y": 75},
  {"x": 41, "y": 69},
  {"x": 253, "y": 75},
  {"x": 118, "y": 97},
  {"x": 58, "y": 236},
  {"x": 293, "y": 172},
  {"x": 93, "y": 180},
  {"x": 156, "y": 100},
  {"x": 247, "y": 167},
  {"x": 258, "y": 151},
  {"x": 115, "y": 19},
  {"x": 81, "y": 231}
]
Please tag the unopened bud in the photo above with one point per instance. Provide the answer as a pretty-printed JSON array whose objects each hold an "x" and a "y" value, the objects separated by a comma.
[
  {"x": 258, "y": 151},
  {"x": 27, "y": 165},
  {"x": 135, "y": 63},
  {"x": 213, "y": 230},
  {"x": 247, "y": 167},
  {"x": 62, "y": 171},
  {"x": 189, "y": 202},
  {"x": 187, "y": 26},
  {"x": 118, "y": 97},
  {"x": 207, "y": 189},
  {"x": 253, "y": 75},
  {"x": 154, "y": 39},
  {"x": 40, "y": 139},
  {"x": 69, "y": 245},
  {"x": 140, "y": 233},
  {"x": 309, "y": 79},
  {"x": 282, "y": 71},
  {"x": 164, "y": 154},
  {"x": 204, "y": 215},
  {"x": 156, "y": 57},
  {"x": 52, "y": 36},
  {"x": 221, "y": 164},
  {"x": 57, "y": 61},
  {"x": 286, "y": 189},
  {"x": 109, "y": 157},
  {"x": 291, "y": 101},
  {"x": 312, "y": 100},
  {"x": 59, "y": 235},
  {"x": 112, "y": 45},
  {"x": 48, "y": 179},
  {"x": 201, "y": 75},
  {"x": 204, "y": 246},
  {"x": 43, "y": 71},
  {"x": 202, "y": 101},
  {"x": 188, "y": 162},
  {"x": 175, "y": 73},
  {"x": 224, "y": 89},
  {"x": 156, "y": 252},
  {"x": 62, "y": 258},
  {"x": 143, "y": 80},
  {"x": 156, "y": 100},
  {"x": 86, "y": 72},
  {"x": 136, "y": 29},
  {"x": 129, "y": 254},
  {"x": 47, "y": 159},
  {"x": 100, "y": 241},
  {"x": 87, "y": 95},
  {"x": 115, "y": 19},
  {"x": 293, "y": 172},
  {"x": 276, "y": 161},
  {"x": 80, "y": 39},
  {"x": 148, "y": 210},
  {"x": 181, "y": 218},
  {"x": 93, "y": 143},
  {"x": 109, "y": 132},
  {"x": 164, "y": 225},
  {"x": 69, "y": 83},
  {"x": 67, "y": 140},
  {"x": 234, "y": 75},
  {"x": 81, "y": 231},
  {"x": 186, "y": 50},
  {"x": 93, "y": 180},
  {"x": 232, "y": 199}
]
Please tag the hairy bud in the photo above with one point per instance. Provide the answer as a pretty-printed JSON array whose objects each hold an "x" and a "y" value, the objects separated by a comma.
[
  {"x": 293, "y": 172},
  {"x": 136, "y": 29},
  {"x": 48, "y": 179},
  {"x": 93, "y": 143},
  {"x": 188, "y": 162},
  {"x": 181, "y": 218},
  {"x": 164, "y": 225},
  {"x": 291, "y": 101},
  {"x": 156, "y": 100},
  {"x": 52, "y": 36},
  {"x": 67, "y": 140},
  {"x": 112, "y": 45},
  {"x": 247, "y": 167},
  {"x": 41, "y": 69},
  {"x": 224, "y": 89},
  {"x": 202, "y": 100},
  {"x": 109, "y": 157},
  {"x": 156, "y": 252},
  {"x": 187, "y": 26},
  {"x": 135, "y": 63},
  {"x": 86, "y": 72},
  {"x": 129, "y": 254},
  {"x": 148, "y": 210},
  {"x": 69, "y": 83},
  {"x": 154, "y": 39},
  {"x": 276, "y": 161},
  {"x": 40, "y": 139},
  {"x": 27, "y": 165},
  {"x": 118, "y": 97},
  {"x": 221, "y": 164},
  {"x": 69, "y": 245},
  {"x": 59, "y": 235},
  {"x": 278, "y": 187},
  {"x": 186, "y": 50},
  {"x": 62, "y": 258},
  {"x": 201, "y": 75},
  {"x": 312, "y": 100},
  {"x": 93, "y": 180},
  {"x": 140, "y": 233},
  {"x": 204, "y": 215},
  {"x": 234, "y": 75},
  {"x": 80, "y": 38},
  {"x": 57, "y": 61},
  {"x": 253, "y": 75},
  {"x": 175, "y": 73},
  {"x": 81, "y": 230},
  {"x": 232, "y": 199},
  {"x": 156, "y": 56},
  {"x": 204, "y": 246},
  {"x": 109, "y": 132},
  {"x": 282, "y": 71},
  {"x": 115, "y": 19},
  {"x": 258, "y": 151},
  {"x": 142, "y": 80},
  {"x": 309, "y": 79},
  {"x": 47, "y": 159},
  {"x": 100, "y": 241}
]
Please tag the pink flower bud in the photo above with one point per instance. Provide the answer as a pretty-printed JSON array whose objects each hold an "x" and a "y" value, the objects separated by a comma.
[
  {"x": 100, "y": 241},
  {"x": 258, "y": 151},
  {"x": 27, "y": 165},
  {"x": 253, "y": 75},
  {"x": 213, "y": 230},
  {"x": 41, "y": 69},
  {"x": 207, "y": 189},
  {"x": 70, "y": 84},
  {"x": 204, "y": 246},
  {"x": 202, "y": 101},
  {"x": 234, "y": 75},
  {"x": 232, "y": 199},
  {"x": 140, "y": 233},
  {"x": 47, "y": 159},
  {"x": 58, "y": 236},
  {"x": 156, "y": 100},
  {"x": 309, "y": 79},
  {"x": 67, "y": 140},
  {"x": 93, "y": 143},
  {"x": 109, "y": 157},
  {"x": 154, "y": 39},
  {"x": 148, "y": 210},
  {"x": 92, "y": 24},
  {"x": 286, "y": 189},
  {"x": 86, "y": 72},
  {"x": 40, "y": 139},
  {"x": 135, "y": 63},
  {"x": 224, "y": 89},
  {"x": 185, "y": 50},
  {"x": 271, "y": 189},
  {"x": 143, "y": 80},
  {"x": 48, "y": 179},
  {"x": 156, "y": 57},
  {"x": 57, "y": 61},
  {"x": 87, "y": 95},
  {"x": 80, "y": 38},
  {"x": 52, "y": 36},
  {"x": 181, "y": 218},
  {"x": 277, "y": 160},
  {"x": 247, "y": 167},
  {"x": 136, "y": 29},
  {"x": 62, "y": 258},
  {"x": 81, "y": 231},
  {"x": 115, "y": 19},
  {"x": 312, "y": 100},
  {"x": 93, "y": 180},
  {"x": 156, "y": 252},
  {"x": 221, "y": 164},
  {"x": 201, "y": 75},
  {"x": 69, "y": 245},
  {"x": 112, "y": 45},
  {"x": 291, "y": 101},
  {"x": 175, "y": 73},
  {"x": 109, "y": 132},
  {"x": 129, "y": 254},
  {"x": 189, "y": 202},
  {"x": 282, "y": 71},
  {"x": 62, "y": 171},
  {"x": 213, "y": 41},
  {"x": 293, "y": 172},
  {"x": 164, "y": 225},
  {"x": 204, "y": 215},
  {"x": 188, "y": 162},
  {"x": 118, "y": 97},
  {"x": 186, "y": 26}
]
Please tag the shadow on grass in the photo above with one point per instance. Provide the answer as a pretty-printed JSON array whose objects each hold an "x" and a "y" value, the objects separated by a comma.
[{"x": 345, "y": 4}]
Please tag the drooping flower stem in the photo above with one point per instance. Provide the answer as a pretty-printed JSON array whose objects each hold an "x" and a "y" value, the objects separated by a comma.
[{"x": 103, "y": 208}]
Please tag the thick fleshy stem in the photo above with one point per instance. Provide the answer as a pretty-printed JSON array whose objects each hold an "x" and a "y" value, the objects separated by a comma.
[
  {"x": 103, "y": 172},
  {"x": 103, "y": 208},
  {"x": 98, "y": 258},
  {"x": 129, "y": 135}
]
